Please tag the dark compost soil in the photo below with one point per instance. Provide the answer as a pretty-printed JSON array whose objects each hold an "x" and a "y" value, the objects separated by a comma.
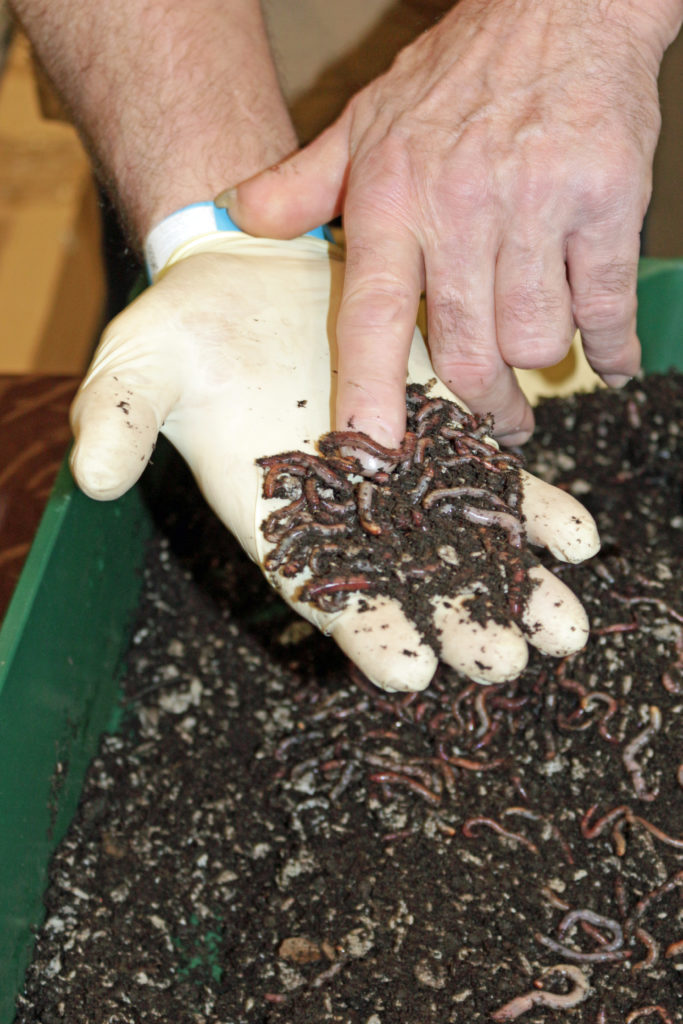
[
  {"x": 270, "y": 840},
  {"x": 407, "y": 531}
]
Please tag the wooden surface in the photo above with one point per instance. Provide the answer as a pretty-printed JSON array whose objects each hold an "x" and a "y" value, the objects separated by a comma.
[
  {"x": 51, "y": 278},
  {"x": 34, "y": 428}
]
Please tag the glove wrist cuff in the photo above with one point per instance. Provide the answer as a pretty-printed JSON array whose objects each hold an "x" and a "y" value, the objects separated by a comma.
[{"x": 188, "y": 223}]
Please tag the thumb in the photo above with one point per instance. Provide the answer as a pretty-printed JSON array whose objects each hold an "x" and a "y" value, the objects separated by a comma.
[
  {"x": 115, "y": 417},
  {"x": 297, "y": 195}
]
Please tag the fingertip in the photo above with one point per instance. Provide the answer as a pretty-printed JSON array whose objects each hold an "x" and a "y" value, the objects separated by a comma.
[
  {"x": 485, "y": 653},
  {"x": 555, "y": 520},
  {"x": 554, "y": 618},
  {"x": 387, "y": 429},
  {"x": 113, "y": 443},
  {"x": 385, "y": 645}
]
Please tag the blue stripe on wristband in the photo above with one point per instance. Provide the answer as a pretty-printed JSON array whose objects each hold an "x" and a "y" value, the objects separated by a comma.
[
  {"x": 192, "y": 221},
  {"x": 225, "y": 223}
]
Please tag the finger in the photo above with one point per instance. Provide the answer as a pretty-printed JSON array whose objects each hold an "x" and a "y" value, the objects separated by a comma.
[
  {"x": 554, "y": 618},
  {"x": 462, "y": 336},
  {"x": 375, "y": 327},
  {"x": 490, "y": 653},
  {"x": 602, "y": 272},
  {"x": 385, "y": 645},
  {"x": 296, "y": 195},
  {"x": 557, "y": 521},
  {"x": 534, "y": 321},
  {"x": 115, "y": 418}
]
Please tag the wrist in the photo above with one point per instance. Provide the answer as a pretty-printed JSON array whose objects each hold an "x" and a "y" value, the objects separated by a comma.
[{"x": 188, "y": 224}]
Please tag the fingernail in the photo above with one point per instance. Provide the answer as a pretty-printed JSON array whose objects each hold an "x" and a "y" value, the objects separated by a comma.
[
  {"x": 615, "y": 380},
  {"x": 226, "y": 198}
]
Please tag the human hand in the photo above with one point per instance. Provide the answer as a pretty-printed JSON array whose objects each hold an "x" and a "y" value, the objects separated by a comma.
[
  {"x": 504, "y": 164},
  {"x": 231, "y": 355}
]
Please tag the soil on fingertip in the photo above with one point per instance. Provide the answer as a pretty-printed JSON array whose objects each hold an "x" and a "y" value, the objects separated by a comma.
[{"x": 268, "y": 839}]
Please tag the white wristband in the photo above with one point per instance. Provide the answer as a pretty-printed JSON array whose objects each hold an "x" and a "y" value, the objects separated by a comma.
[{"x": 188, "y": 223}]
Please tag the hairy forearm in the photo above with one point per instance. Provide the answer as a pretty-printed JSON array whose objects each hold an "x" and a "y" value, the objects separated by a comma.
[{"x": 175, "y": 101}]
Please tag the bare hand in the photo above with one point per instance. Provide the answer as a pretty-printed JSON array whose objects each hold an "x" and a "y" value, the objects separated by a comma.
[{"x": 504, "y": 165}]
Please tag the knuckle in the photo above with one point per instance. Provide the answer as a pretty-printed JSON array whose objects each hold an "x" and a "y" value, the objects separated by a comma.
[
  {"x": 534, "y": 327},
  {"x": 449, "y": 318},
  {"x": 526, "y": 306},
  {"x": 379, "y": 303},
  {"x": 608, "y": 300}
]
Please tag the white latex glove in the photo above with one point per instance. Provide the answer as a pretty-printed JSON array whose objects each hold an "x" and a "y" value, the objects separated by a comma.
[{"x": 231, "y": 355}]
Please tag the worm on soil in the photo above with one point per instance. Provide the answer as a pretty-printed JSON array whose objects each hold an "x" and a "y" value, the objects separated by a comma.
[
  {"x": 632, "y": 748},
  {"x": 541, "y": 997}
]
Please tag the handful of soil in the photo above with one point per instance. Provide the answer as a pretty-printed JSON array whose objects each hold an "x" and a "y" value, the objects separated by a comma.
[{"x": 441, "y": 516}]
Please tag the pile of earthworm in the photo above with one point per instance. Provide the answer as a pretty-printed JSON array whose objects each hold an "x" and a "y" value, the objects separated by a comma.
[{"x": 441, "y": 514}]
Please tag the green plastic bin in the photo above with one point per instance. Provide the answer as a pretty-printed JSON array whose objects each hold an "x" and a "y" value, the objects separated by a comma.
[{"x": 66, "y": 633}]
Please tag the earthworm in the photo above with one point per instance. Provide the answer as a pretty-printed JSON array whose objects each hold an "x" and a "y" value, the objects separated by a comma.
[
  {"x": 494, "y": 517},
  {"x": 291, "y": 741},
  {"x": 336, "y": 439},
  {"x": 541, "y": 997},
  {"x": 553, "y": 898},
  {"x": 670, "y": 684},
  {"x": 468, "y": 763},
  {"x": 570, "y": 919},
  {"x": 618, "y": 835},
  {"x": 320, "y": 552},
  {"x": 277, "y": 556},
  {"x": 661, "y": 890},
  {"x": 397, "y": 778},
  {"x": 602, "y": 956},
  {"x": 655, "y": 831},
  {"x": 365, "y": 494},
  {"x": 421, "y": 449},
  {"x": 497, "y": 827},
  {"x": 652, "y": 948},
  {"x": 660, "y": 605},
  {"x": 280, "y": 521},
  {"x": 343, "y": 782},
  {"x": 448, "y": 777},
  {"x": 674, "y": 948},
  {"x": 616, "y": 627},
  {"x": 431, "y": 406},
  {"x": 590, "y": 831},
  {"x": 318, "y": 501},
  {"x": 526, "y": 812},
  {"x": 442, "y": 493},
  {"x": 620, "y": 895},
  {"x": 425, "y": 777},
  {"x": 632, "y": 748},
  {"x": 301, "y": 463},
  {"x": 635, "y": 1014},
  {"x": 593, "y": 933},
  {"x": 326, "y": 588},
  {"x": 328, "y": 974},
  {"x": 612, "y": 707},
  {"x": 420, "y": 489}
]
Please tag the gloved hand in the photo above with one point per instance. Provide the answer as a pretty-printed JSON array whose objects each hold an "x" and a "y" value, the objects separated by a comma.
[{"x": 231, "y": 355}]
